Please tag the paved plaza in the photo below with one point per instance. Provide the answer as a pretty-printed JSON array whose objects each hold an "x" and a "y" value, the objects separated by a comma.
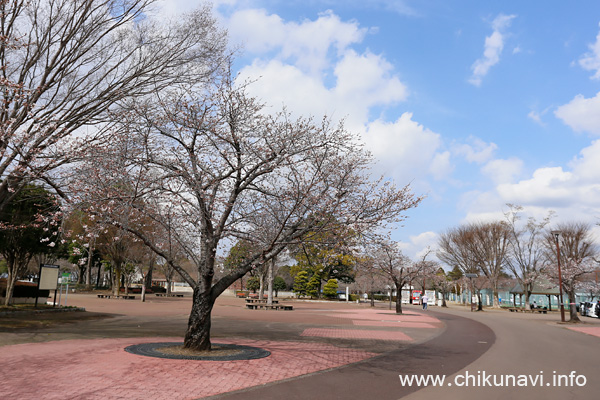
[{"x": 318, "y": 350}]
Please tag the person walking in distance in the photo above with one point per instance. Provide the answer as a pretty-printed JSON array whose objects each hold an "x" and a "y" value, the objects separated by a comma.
[{"x": 425, "y": 300}]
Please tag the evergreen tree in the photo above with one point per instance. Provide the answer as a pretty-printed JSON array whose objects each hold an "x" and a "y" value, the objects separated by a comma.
[
  {"x": 301, "y": 283},
  {"x": 330, "y": 288}
]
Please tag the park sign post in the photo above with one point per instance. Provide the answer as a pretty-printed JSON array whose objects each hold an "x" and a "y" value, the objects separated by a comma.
[{"x": 47, "y": 280}]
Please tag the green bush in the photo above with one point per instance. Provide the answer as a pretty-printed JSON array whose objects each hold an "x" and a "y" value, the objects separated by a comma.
[
  {"x": 253, "y": 284},
  {"x": 330, "y": 288},
  {"x": 300, "y": 283}
]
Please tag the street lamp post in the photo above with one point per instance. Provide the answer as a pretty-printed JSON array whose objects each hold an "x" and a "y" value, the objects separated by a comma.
[
  {"x": 560, "y": 290},
  {"x": 471, "y": 276}
]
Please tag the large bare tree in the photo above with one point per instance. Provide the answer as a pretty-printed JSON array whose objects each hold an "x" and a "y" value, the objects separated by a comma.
[
  {"x": 225, "y": 166},
  {"x": 65, "y": 63},
  {"x": 477, "y": 248}
]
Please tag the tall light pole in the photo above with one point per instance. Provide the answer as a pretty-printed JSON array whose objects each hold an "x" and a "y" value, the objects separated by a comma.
[
  {"x": 562, "y": 306},
  {"x": 471, "y": 276}
]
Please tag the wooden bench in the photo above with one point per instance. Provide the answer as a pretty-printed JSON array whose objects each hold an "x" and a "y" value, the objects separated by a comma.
[
  {"x": 104, "y": 296},
  {"x": 259, "y": 301},
  {"x": 534, "y": 310},
  {"x": 264, "y": 306}
]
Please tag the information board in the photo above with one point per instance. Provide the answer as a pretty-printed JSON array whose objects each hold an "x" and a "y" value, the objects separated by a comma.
[{"x": 48, "y": 277}]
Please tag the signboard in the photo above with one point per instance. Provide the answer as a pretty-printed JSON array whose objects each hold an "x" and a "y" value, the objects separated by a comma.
[
  {"x": 48, "y": 277},
  {"x": 65, "y": 277}
]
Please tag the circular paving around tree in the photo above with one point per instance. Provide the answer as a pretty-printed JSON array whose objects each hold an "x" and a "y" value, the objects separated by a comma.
[{"x": 230, "y": 352}]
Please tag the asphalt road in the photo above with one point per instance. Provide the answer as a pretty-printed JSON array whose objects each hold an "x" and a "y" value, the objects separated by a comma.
[
  {"x": 473, "y": 349},
  {"x": 528, "y": 344}
]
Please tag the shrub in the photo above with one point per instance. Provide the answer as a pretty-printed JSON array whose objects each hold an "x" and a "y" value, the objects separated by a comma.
[
  {"x": 253, "y": 284},
  {"x": 330, "y": 288},
  {"x": 300, "y": 283},
  {"x": 158, "y": 289}
]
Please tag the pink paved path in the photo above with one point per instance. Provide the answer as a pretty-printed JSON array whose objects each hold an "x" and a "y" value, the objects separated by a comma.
[
  {"x": 378, "y": 315},
  {"x": 595, "y": 331},
  {"x": 356, "y": 334},
  {"x": 393, "y": 324},
  {"x": 101, "y": 369}
]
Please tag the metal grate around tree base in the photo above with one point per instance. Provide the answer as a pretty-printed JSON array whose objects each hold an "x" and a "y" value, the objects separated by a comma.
[{"x": 153, "y": 350}]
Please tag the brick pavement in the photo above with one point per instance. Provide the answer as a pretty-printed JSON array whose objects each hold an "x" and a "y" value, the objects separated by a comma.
[
  {"x": 101, "y": 369},
  {"x": 357, "y": 334},
  {"x": 594, "y": 331},
  {"x": 86, "y": 359}
]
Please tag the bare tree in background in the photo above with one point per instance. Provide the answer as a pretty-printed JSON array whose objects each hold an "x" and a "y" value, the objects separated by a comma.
[
  {"x": 65, "y": 63},
  {"x": 526, "y": 256},
  {"x": 477, "y": 247},
  {"x": 389, "y": 261}
]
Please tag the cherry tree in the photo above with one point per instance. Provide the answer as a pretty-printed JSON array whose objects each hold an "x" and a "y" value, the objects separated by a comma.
[
  {"x": 388, "y": 260},
  {"x": 577, "y": 252},
  {"x": 65, "y": 64},
  {"x": 526, "y": 257},
  {"x": 226, "y": 167}
]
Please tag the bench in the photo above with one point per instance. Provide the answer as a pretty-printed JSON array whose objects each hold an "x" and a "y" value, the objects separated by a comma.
[
  {"x": 534, "y": 310},
  {"x": 128, "y": 297},
  {"x": 264, "y": 306},
  {"x": 104, "y": 296},
  {"x": 259, "y": 301}
]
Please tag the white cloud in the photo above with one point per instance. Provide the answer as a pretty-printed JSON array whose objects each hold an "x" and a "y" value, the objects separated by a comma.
[
  {"x": 590, "y": 61},
  {"x": 572, "y": 191},
  {"x": 405, "y": 149},
  {"x": 494, "y": 44},
  {"x": 503, "y": 171},
  {"x": 367, "y": 78},
  {"x": 306, "y": 44},
  {"x": 361, "y": 81},
  {"x": 477, "y": 151},
  {"x": 441, "y": 167},
  {"x": 587, "y": 166},
  {"x": 581, "y": 114},
  {"x": 419, "y": 245},
  {"x": 535, "y": 116}
]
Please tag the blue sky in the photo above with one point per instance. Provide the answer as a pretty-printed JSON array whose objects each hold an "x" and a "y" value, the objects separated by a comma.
[{"x": 476, "y": 103}]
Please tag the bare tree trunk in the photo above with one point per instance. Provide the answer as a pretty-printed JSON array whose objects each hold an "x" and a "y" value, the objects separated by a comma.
[
  {"x": 270, "y": 282},
  {"x": 261, "y": 290},
  {"x": 197, "y": 336},
  {"x": 398, "y": 299},
  {"x": 527, "y": 305},
  {"x": 572, "y": 309},
  {"x": 88, "y": 271},
  {"x": 116, "y": 280},
  {"x": 10, "y": 283}
]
